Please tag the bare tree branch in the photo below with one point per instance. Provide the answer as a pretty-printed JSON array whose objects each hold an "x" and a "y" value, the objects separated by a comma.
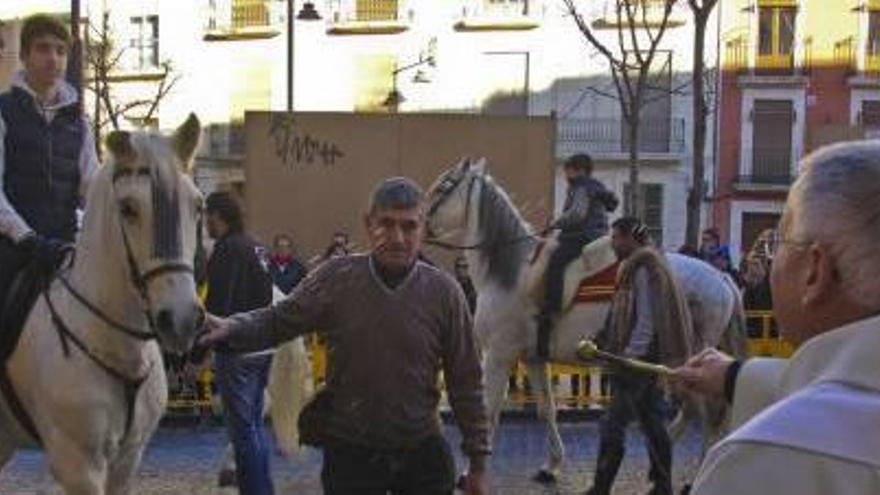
[
  {"x": 588, "y": 32},
  {"x": 631, "y": 65},
  {"x": 105, "y": 62}
]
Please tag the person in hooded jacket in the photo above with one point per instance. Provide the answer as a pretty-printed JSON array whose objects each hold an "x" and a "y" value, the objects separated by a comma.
[{"x": 584, "y": 219}]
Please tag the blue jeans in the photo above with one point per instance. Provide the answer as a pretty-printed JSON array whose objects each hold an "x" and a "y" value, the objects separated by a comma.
[{"x": 241, "y": 382}]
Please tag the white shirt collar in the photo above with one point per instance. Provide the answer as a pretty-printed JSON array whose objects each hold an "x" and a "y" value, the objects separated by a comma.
[{"x": 848, "y": 354}]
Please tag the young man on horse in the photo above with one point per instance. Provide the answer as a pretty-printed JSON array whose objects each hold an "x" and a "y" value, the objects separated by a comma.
[
  {"x": 584, "y": 219},
  {"x": 391, "y": 323},
  {"x": 47, "y": 152},
  {"x": 649, "y": 320}
]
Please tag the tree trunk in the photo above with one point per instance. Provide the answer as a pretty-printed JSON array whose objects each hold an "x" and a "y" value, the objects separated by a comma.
[
  {"x": 635, "y": 206},
  {"x": 699, "y": 112}
]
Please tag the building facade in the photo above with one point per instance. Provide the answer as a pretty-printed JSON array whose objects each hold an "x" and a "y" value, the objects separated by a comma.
[
  {"x": 492, "y": 57},
  {"x": 796, "y": 74}
]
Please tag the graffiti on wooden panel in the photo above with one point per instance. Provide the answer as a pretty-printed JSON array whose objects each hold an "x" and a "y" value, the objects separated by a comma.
[{"x": 294, "y": 147}]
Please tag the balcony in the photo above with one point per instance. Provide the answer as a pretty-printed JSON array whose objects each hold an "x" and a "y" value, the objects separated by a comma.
[
  {"x": 648, "y": 14},
  {"x": 499, "y": 15},
  {"x": 349, "y": 17},
  {"x": 745, "y": 59},
  {"x": 771, "y": 170},
  {"x": 243, "y": 20},
  {"x": 608, "y": 138},
  {"x": 845, "y": 54},
  {"x": 872, "y": 64}
]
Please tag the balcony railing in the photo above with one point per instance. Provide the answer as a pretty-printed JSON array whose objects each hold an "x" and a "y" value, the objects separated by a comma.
[
  {"x": 744, "y": 58},
  {"x": 872, "y": 64},
  {"x": 609, "y": 136},
  {"x": 496, "y": 9},
  {"x": 646, "y": 13},
  {"x": 767, "y": 167},
  {"x": 243, "y": 18},
  {"x": 376, "y": 10},
  {"x": 736, "y": 54},
  {"x": 485, "y": 15},
  {"x": 349, "y": 11},
  {"x": 845, "y": 54},
  {"x": 765, "y": 180}
]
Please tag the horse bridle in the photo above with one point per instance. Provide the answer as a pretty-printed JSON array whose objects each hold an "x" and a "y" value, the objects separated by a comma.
[
  {"x": 140, "y": 280},
  {"x": 445, "y": 189}
]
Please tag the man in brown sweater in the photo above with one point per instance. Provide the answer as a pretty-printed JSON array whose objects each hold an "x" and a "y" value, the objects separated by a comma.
[{"x": 391, "y": 323}]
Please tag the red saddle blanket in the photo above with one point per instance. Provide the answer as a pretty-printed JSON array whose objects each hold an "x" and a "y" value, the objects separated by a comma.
[{"x": 598, "y": 287}]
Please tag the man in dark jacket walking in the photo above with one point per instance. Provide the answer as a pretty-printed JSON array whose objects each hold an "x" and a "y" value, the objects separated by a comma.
[
  {"x": 584, "y": 219},
  {"x": 237, "y": 281}
]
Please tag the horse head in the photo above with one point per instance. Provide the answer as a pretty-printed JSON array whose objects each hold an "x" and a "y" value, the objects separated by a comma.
[
  {"x": 150, "y": 218},
  {"x": 450, "y": 197}
]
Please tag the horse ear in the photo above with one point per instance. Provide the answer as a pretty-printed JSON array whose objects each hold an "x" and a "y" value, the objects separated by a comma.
[
  {"x": 480, "y": 166},
  {"x": 119, "y": 144},
  {"x": 186, "y": 140}
]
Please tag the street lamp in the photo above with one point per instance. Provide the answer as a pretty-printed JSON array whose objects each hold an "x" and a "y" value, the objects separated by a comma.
[
  {"x": 395, "y": 97},
  {"x": 306, "y": 13},
  {"x": 75, "y": 67}
]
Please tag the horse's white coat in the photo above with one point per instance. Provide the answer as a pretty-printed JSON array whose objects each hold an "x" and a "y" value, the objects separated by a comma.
[
  {"x": 78, "y": 408},
  {"x": 505, "y": 323}
]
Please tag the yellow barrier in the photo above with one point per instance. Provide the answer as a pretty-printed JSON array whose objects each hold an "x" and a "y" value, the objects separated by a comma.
[
  {"x": 586, "y": 387},
  {"x": 768, "y": 343}
]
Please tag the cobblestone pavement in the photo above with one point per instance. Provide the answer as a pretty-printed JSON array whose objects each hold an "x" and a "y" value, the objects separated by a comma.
[{"x": 184, "y": 460}]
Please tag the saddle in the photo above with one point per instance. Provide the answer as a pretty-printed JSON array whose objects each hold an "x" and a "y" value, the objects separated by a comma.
[
  {"x": 26, "y": 287},
  {"x": 587, "y": 280}
]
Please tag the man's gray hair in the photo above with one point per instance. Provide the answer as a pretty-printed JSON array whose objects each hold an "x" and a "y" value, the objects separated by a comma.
[
  {"x": 396, "y": 193},
  {"x": 837, "y": 200}
]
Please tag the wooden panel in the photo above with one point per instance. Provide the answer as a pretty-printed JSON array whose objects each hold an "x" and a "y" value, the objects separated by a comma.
[{"x": 335, "y": 159}]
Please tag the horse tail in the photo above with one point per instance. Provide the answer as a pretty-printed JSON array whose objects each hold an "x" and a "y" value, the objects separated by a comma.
[
  {"x": 289, "y": 389},
  {"x": 735, "y": 340}
]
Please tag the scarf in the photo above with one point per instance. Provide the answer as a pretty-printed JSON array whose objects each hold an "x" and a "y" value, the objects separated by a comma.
[{"x": 673, "y": 330}]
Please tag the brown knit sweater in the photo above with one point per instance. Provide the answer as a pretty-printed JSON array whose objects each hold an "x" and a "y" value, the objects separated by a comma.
[{"x": 386, "y": 348}]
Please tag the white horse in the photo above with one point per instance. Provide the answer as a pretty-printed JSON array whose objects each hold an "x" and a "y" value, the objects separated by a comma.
[
  {"x": 469, "y": 211},
  {"x": 87, "y": 373}
]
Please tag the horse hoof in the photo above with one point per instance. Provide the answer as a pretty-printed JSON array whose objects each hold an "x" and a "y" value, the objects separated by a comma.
[{"x": 544, "y": 477}]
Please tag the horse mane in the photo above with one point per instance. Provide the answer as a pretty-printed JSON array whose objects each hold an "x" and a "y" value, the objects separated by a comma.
[{"x": 503, "y": 233}]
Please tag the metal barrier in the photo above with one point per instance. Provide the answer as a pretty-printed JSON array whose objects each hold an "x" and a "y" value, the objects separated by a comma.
[
  {"x": 191, "y": 394},
  {"x": 574, "y": 386},
  {"x": 764, "y": 338}
]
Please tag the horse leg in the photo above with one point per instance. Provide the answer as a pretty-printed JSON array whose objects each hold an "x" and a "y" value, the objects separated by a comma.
[
  {"x": 540, "y": 379},
  {"x": 76, "y": 471},
  {"x": 122, "y": 473},
  {"x": 6, "y": 451},
  {"x": 495, "y": 374}
]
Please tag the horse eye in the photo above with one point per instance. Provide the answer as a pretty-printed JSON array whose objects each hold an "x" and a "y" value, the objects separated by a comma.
[{"x": 128, "y": 210}]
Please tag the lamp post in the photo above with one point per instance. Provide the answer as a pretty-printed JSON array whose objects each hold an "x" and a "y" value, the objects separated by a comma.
[
  {"x": 75, "y": 67},
  {"x": 307, "y": 13},
  {"x": 395, "y": 97}
]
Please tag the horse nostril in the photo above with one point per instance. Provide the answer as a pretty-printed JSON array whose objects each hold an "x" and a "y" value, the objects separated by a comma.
[{"x": 164, "y": 320}]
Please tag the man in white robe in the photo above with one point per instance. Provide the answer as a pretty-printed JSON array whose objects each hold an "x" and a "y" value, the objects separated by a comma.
[{"x": 810, "y": 425}]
